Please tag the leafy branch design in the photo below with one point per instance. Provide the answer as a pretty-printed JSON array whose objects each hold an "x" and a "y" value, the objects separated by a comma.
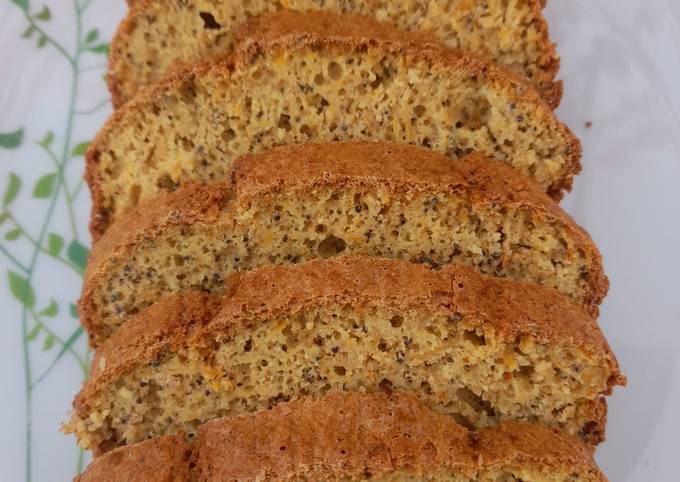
[{"x": 52, "y": 189}]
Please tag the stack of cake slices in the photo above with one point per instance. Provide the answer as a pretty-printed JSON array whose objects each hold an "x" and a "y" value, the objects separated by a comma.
[{"x": 328, "y": 246}]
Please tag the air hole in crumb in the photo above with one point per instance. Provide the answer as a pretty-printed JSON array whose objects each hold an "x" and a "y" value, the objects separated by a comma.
[
  {"x": 284, "y": 122},
  {"x": 386, "y": 385},
  {"x": 379, "y": 80},
  {"x": 135, "y": 192},
  {"x": 419, "y": 110},
  {"x": 476, "y": 402},
  {"x": 474, "y": 338},
  {"x": 396, "y": 321},
  {"x": 476, "y": 113},
  {"x": 228, "y": 135},
  {"x": 334, "y": 71},
  {"x": 455, "y": 317},
  {"x": 306, "y": 130},
  {"x": 331, "y": 246},
  {"x": 165, "y": 183},
  {"x": 209, "y": 21}
]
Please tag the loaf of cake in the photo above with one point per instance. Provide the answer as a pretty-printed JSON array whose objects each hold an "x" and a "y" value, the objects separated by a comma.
[
  {"x": 300, "y": 202},
  {"x": 299, "y": 77},
  {"x": 477, "y": 348},
  {"x": 350, "y": 437},
  {"x": 158, "y": 34}
]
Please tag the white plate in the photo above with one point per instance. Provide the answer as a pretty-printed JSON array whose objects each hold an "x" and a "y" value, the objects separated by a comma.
[{"x": 621, "y": 68}]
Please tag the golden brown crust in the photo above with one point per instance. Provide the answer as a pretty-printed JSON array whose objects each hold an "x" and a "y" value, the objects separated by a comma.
[
  {"x": 511, "y": 309},
  {"x": 292, "y": 30},
  {"x": 594, "y": 432},
  {"x": 289, "y": 29},
  {"x": 182, "y": 317},
  {"x": 548, "y": 61},
  {"x": 551, "y": 89},
  {"x": 401, "y": 168},
  {"x": 552, "y": 94},
  {"x": 115, "y": 71},
  {"x": 334, "y": 438},
  {"x": 188, "y": 206},
  {"x": 191, "y": 205},
  {"x": 100, "y": 217},
  {"x": 296, "y": 31},
  {"x": 341, "y": 436},
  {"x": 162, "y": 459},
  {"x": 286, "y": 27},
  {"x": 518, "y": 444}
]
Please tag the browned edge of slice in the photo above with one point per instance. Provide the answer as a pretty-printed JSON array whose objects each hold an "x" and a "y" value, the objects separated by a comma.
[
  {"x": 161, "y": 459},
  {"x": 513, "y": 310},
  {"x": 343, "y": 436},
  {"x": 401, "y": 168},
  {"x": 548, "y": 63},
  {"x": 256, "y": 39},
  {"x": 274, "y": 29},
  {"x": 294, "y": 30}
]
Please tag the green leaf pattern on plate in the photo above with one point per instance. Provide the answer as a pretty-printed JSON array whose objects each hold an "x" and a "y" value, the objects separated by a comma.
[
  {"x": 80, "y": 149},
  {"x": 12, "y": 190},
  {"x": 21, "y": 289},
  {"x": 51, "y": 310},
  {"x": 13, "y": 234},
  {"x": 44, "y": 15},
  {"x": 48, "y": 321},
  {"x": 11, "y": 140},
  {"x": 43, "y": 188},
  {"x": 54, "y": 244},
  {"x": 100, "y": 49},
  {"x": 22, "y": 4},
  {"x": 77, "y": 253}
]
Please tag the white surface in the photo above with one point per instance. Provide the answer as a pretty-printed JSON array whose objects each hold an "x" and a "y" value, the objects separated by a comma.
[
  {"x": 621, "y": 65},
  {"x": 621, "y": 69}
]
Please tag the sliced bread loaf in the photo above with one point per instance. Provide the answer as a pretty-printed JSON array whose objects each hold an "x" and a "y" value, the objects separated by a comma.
[
  {"x": 295, "y": 203},
  {"x": 320, "y": 77},
  {"x": 350, "y": 437},
  {"x": 478, "y": 348},
  {"x": 158, "y": 34}
]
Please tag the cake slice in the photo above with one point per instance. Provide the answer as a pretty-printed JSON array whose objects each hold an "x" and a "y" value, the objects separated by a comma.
[
  {"x": 480, "y": 349},
  {"x": 350, "y": 437},
  {"x": 158, "y": 34},
  {"x": 300, "y": 202},
  {"x": 321, "y": 77}
]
